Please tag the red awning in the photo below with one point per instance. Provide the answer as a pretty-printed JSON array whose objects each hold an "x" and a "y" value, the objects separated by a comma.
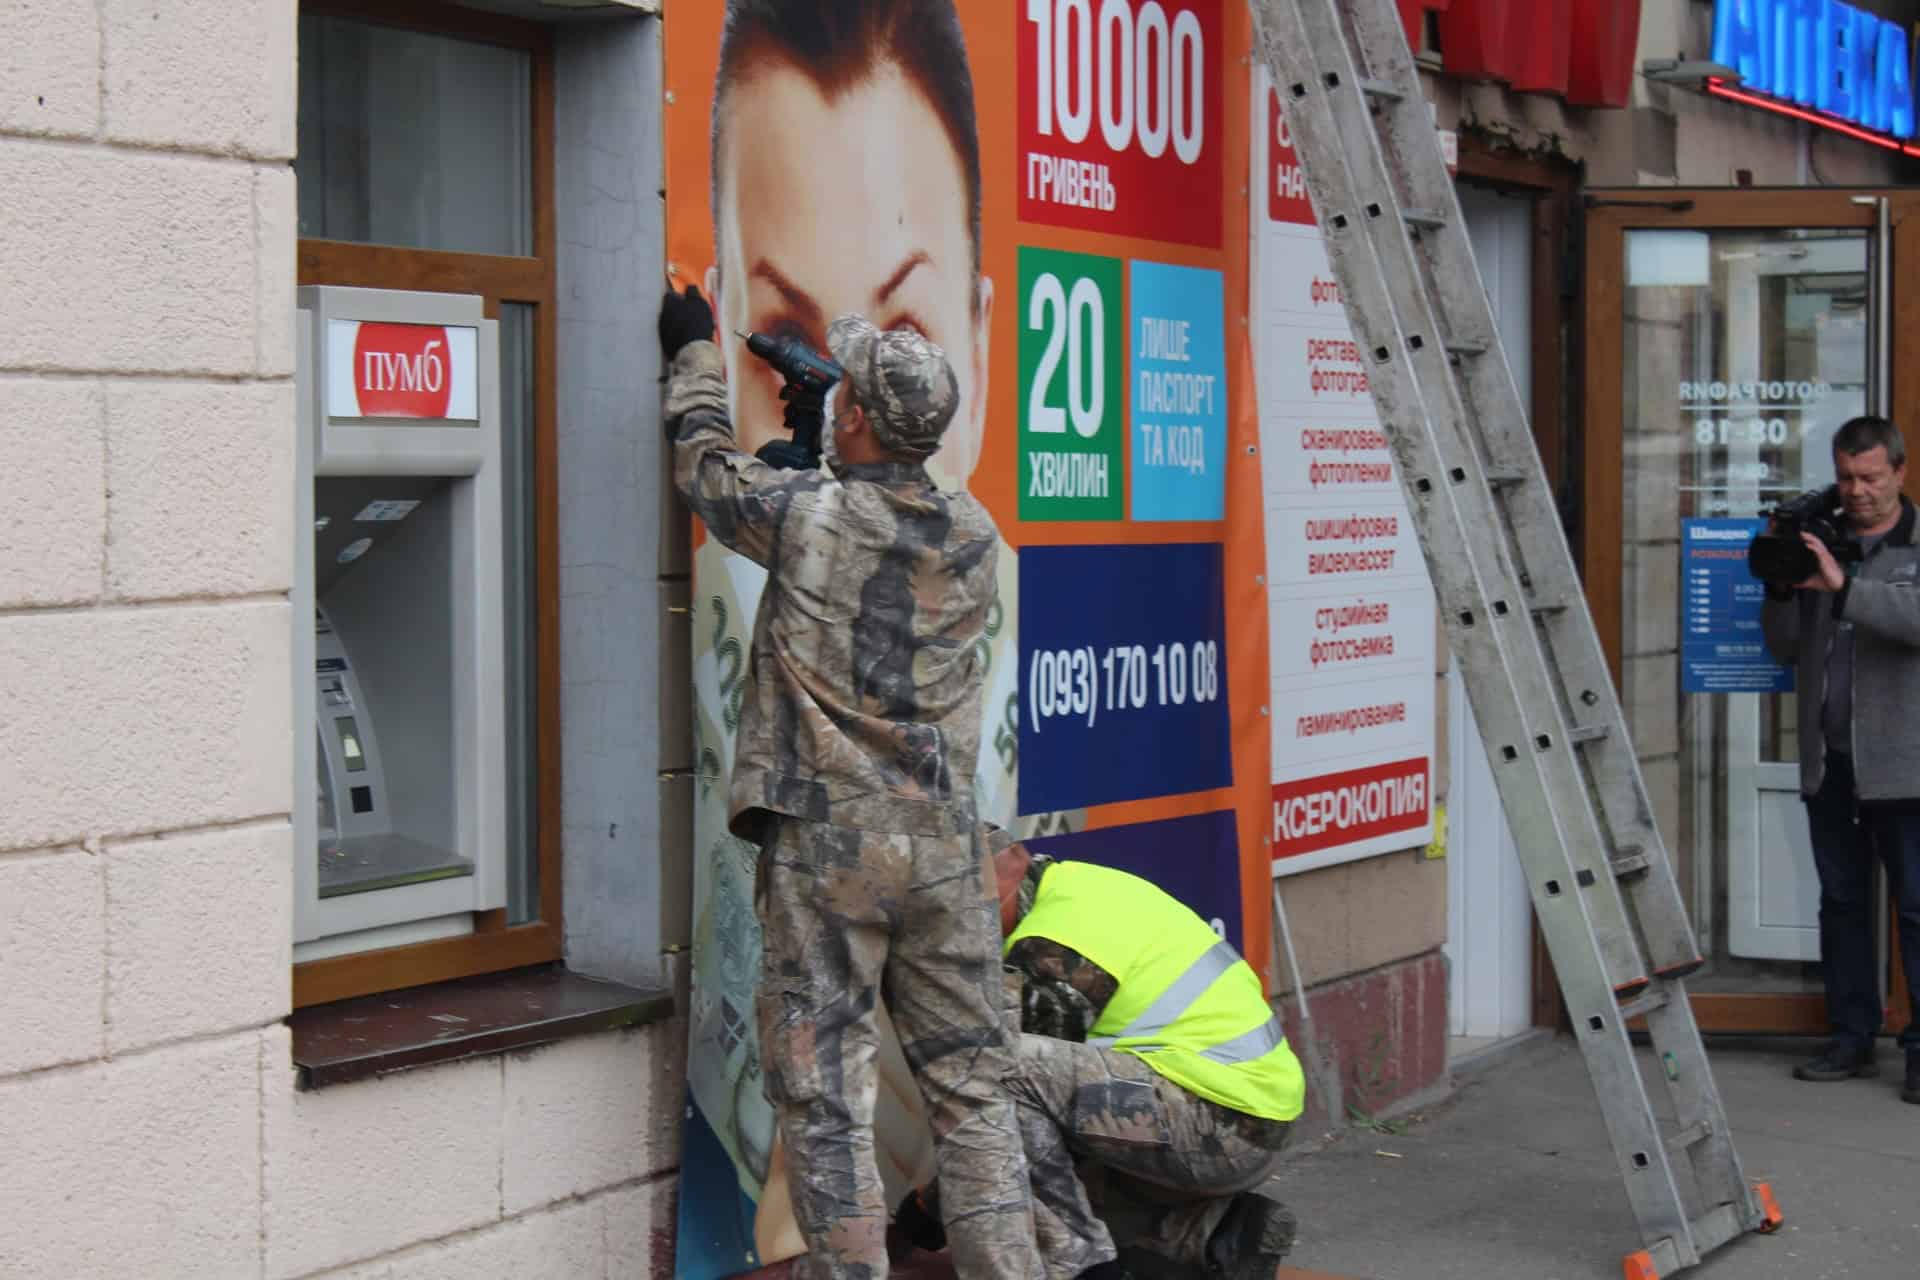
[
  {"x": 1476, "y": 38},
  {"x": 1542, "y": 45},
  {"x": 1582, "y": 49},
  {"x": 1605, "y": 35},
  {"x": 1411, "y": 14}
]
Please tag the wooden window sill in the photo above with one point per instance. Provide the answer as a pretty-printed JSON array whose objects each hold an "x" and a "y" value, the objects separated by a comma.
[{"x": 466, "y": 1018}]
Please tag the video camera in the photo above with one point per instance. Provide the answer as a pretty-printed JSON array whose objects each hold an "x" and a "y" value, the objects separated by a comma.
[
  {"x": 1778, "y": 556},
  {"x": 809, "y": 376}
]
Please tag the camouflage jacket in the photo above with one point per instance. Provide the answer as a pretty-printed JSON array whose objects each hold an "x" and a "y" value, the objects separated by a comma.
[{"x": 863, "y": 708}]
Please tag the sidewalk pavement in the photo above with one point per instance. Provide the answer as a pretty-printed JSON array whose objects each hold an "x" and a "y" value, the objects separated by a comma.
[{"x": 1511, "y": 1176}]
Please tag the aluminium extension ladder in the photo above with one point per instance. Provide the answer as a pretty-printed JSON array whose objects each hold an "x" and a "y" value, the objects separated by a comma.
[{"x": 1601, "y": 883}]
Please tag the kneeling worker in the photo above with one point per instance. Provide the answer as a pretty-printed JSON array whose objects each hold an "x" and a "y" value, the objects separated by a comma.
[{"x": 1149, "y": 1059}]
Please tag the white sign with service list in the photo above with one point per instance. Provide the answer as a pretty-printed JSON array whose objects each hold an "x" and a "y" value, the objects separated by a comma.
[{"x": 1350, "y": 611}]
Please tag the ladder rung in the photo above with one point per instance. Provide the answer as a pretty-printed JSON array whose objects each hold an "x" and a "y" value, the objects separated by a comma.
[
  {"x": 1589, "y": 733},
  {"x": 1719, "y": 1225},
  {"x": 1646, "y": 1002},
  {"x": 1426, "y": 219},
  {"x": 1632, "y": 860},
  {"x": 1466, "y": 347},
  {"x": 1547, "y": 608},
  {"x": 1382, "y": 89},
  {"x": 1694, "y": 1133},
  {"x": 1506, "y": 478}
]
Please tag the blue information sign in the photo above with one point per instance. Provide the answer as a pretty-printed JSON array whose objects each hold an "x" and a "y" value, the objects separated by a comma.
[
  {"x": 1179, "y": 393},
  {"x": 1123, "y": 662},
  {"x": 1720, "y": 649}
]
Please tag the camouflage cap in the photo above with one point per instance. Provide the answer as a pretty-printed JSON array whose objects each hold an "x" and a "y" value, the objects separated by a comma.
[
  {"x": 903, "y": 381},
  {"x": 996, "y": 837}
]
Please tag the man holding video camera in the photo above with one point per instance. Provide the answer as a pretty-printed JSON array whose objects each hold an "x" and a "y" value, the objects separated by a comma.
[{"x": 1854, "y": 635}]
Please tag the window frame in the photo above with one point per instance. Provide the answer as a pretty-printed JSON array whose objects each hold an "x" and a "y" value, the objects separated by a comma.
[{"x": 494, "y": 944}]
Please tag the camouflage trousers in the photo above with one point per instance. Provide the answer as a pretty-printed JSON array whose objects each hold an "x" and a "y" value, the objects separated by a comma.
[
  {"x": 851, "y": 918},
  {"x": 1166, "y": 1162}
]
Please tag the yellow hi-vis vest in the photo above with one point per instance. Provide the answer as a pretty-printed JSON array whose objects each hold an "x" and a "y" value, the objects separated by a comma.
[{"x": 1187, "y": 1004}]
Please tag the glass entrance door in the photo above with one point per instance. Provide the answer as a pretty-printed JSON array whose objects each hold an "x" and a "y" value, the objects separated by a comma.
[{"x": 1727, "y": 342}]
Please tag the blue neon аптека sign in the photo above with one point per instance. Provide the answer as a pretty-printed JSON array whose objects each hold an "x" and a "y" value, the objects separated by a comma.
[{"x": 1821, "y": 54}]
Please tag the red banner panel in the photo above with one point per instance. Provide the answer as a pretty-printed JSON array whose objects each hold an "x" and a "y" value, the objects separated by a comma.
[
  {"x": 1344, "y": 808},
  {"x": 1120, "y": 105}
]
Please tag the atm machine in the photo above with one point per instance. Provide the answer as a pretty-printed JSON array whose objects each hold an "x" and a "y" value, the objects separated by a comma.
[{"x": 399, "y": 625}]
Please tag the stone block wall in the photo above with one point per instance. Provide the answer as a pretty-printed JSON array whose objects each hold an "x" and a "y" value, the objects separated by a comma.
[{"x": 147, "y": 1100}]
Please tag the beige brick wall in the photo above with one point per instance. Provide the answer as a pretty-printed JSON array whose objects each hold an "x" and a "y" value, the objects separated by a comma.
[
  {"x": 147, "y": 1107},
  {"x": 1362, "y": 915}
]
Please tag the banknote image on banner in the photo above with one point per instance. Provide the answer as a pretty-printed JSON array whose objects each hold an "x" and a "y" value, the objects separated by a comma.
[
  {"x": 1032, "y": 186},
  {"x": 1352, "y": 655}
]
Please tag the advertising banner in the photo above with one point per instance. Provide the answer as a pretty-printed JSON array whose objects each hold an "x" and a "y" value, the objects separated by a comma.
[
  {"x": 1353, "y": 626},
  {"x": 1055, "y": 192}
]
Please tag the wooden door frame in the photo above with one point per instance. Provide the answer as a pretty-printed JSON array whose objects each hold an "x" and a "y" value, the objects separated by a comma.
[{"x": 1609, "y": 214}]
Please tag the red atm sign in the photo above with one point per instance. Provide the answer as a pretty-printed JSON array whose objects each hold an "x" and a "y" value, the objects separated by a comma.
[{"x": 377, "y": 369}]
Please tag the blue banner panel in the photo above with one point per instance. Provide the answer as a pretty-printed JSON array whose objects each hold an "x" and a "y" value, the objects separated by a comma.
[
  {"x": 1196, "y": 859},
  {"x": 1124, "y": 674},
  {"x": 1721, "y": 650},
  {"x": 714, "y": 1238}
]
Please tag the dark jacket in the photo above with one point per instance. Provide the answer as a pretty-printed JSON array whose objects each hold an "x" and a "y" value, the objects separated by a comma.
[{"x": 1882, "y": 601}]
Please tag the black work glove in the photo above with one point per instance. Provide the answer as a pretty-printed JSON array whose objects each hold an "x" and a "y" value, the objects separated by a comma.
[
  {"x": 914, "y": 1227},
  {"x": 684, "y": 318},
  {"x": 1057, "y": 1010}
]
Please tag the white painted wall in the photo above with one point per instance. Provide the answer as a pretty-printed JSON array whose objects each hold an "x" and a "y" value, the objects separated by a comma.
[
  {"x": 1489, "y": 918},
  {"x": 147, "y": 1108}
]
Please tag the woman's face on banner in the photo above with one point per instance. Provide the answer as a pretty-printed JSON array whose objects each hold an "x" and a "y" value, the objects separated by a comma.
[{"x": 857, "y": 204}]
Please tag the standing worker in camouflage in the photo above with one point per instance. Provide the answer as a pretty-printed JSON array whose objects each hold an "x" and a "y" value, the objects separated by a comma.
[
  {"x": 853, "y": 773},
  {"x": 1151, "y": 1065}
]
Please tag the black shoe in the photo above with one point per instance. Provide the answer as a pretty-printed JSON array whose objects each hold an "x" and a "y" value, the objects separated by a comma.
[
  {"x": 1840, "y": 1060},
  {"x": 1912, "y": 1092},
  {"x": 1109, "y": 1270},
  {"x": 1252, "y": 1240}
]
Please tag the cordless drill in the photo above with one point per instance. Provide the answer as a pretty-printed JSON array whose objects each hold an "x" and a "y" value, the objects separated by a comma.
[{"x": 809, "y": 376}]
